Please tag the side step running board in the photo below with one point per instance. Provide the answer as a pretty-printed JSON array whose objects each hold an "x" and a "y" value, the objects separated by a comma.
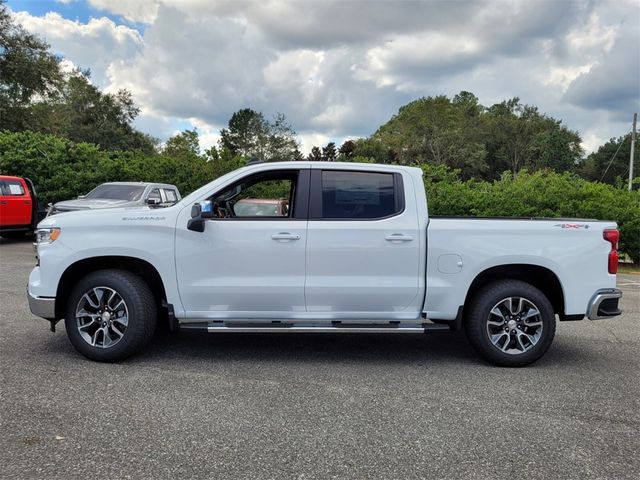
[
  {"x": 341, "y": 328},
  {"x": 254, "y": 329}
]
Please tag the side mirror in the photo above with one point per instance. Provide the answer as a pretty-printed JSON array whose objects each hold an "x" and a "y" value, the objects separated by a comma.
[
  {"x": 80, "y": 197},
  {"x": 196, "y": 210},
  {"x": 199, "y": 213},
  {"x": 154, "y": 201}
]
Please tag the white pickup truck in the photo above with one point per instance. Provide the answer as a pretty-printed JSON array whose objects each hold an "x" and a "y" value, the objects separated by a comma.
[{"x": 344, "y": 248}]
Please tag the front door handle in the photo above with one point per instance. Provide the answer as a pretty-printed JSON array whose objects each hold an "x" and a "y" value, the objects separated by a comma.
[
  {"x": 285, "y": 236},
  {"x": 398, "y": 237}
]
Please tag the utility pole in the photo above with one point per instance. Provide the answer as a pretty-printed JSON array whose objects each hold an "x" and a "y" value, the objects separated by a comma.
[{"x": 633, "y": 148}]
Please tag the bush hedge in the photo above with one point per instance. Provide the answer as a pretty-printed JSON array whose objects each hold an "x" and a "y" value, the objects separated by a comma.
[
  {"x": 62, "y": 169},
  {"x": 539, "y": 194}
]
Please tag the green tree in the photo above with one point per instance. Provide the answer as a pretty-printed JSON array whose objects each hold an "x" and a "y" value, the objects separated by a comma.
[
  {"x": 27, "y": 70},
  {"x": 315, "y": 155},
  {"x": 82, "y": 113},
  {"x": 250, "y": 134},
  {"x": 185, "y": 145},
  {"x": 212, "y": 154},
  {"x": 481, "y": 142},
  {"x": 610, "y": 163},
  {"x": 297, "y": 155},
  {"x": 329, "y": 152},
  {"x": 281, "y": 143},
  {"x": 519, "y": 136},
  {"x": 436, "y": 130},
  {"x": 246, "y": 132},
  {"x": 36, "y": 95},
  {"x": 373, "y": 149},
  {"x": 345, "y": 152}
]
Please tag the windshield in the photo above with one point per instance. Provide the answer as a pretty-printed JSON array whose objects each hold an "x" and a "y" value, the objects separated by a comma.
[{"x": 117, "y": 192}]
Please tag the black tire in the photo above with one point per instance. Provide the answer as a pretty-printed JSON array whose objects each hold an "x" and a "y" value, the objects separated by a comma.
[
  {"x": 141, "y": 310},
  {"x": 479, "y": 329}
]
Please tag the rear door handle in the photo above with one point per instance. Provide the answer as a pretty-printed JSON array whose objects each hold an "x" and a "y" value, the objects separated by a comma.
[
  {"x": 3, "y": 202},
  {"x": 398, "y": 237},
  {"x": 285, "y": 236}
]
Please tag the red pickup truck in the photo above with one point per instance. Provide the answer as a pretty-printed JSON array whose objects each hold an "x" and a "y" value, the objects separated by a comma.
[{"x": 19, "y": 209}]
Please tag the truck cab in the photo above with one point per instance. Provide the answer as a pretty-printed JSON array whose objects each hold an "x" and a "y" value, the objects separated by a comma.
[{"x": 19, "y": 212}]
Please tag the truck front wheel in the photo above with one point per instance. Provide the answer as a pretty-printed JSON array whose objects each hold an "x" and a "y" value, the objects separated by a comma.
[
  {"x": 111, "y": 314},
  {"x": 510, "y": 323}
]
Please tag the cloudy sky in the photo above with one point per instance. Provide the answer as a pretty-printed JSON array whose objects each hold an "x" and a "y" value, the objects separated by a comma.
[{"x": 339, "y": 69}]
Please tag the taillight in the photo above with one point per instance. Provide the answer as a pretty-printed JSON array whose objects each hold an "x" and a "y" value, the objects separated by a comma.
[{"x": 612, "y": 236}]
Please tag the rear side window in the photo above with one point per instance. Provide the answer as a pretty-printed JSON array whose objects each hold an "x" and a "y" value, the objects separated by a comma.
[
  {"x": 11, "y": 187},
  {"x": 170, "y": 195},
  {"x": 359, "y": 195}
]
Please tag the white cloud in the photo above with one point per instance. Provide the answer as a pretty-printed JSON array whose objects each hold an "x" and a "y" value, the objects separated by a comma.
[
  {"x": 209, "y": 134},
  {"x": 338, "y": 68},
  {"x": 141, "y": 11},
  {"x": 309, "y": 140},
  {"x": 96, "y": 44}
]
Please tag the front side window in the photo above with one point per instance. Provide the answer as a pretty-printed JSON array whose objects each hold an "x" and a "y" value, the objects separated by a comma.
[
  {"x": 11, "y": 188},
  {"x": 267, "y": 195},
  {"x": 359, "y": 195},
  {"x": 155, "y": 195}
]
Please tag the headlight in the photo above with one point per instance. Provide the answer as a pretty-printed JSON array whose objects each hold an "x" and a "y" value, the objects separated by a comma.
[{"x": 45, "y": 236}]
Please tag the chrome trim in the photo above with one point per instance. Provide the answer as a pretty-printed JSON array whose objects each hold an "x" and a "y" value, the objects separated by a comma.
[
  {"x": 266, "y": 328},
  {"x": 44, "y": 307},
  {"x": 598, "y": 298}
]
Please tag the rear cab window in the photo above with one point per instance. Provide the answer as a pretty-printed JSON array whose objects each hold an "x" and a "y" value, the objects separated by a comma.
[
  {"x": 357, "y": 195},
  {"x": 170, "y": 195}
]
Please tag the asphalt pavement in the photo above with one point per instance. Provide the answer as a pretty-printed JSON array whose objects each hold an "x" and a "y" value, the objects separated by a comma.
[{"x": 315, "y": 406}]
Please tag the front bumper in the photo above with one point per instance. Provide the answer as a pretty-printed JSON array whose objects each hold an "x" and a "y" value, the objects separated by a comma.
[
  {"x": 604, "y": 304},
  {"x": 44, "y": 307}
]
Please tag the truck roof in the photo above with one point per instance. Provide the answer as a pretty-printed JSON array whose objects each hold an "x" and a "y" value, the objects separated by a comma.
[
  {"x": 143, "y": 184},
  {"x": 331, "y": 165},
  {"x": 10, "y": 177}
]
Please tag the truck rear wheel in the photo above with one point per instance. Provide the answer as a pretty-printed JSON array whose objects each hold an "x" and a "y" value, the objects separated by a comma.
[
  {"x": 511, "y": 323},
  {"x": 111, "y": 315}
]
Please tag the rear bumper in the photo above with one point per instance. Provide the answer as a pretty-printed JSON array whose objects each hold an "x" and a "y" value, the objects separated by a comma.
[
  {"x": 44, "y": 307},
  {"x": 604, "y": 304}
]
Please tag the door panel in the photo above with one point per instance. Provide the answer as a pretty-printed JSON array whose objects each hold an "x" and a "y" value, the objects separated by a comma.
[
  {"x": 15, "y": 202},
  {"x": 236, "y": 269},
  {"x": 363, "y": 268},
  {"x": 250, "y": 261}
]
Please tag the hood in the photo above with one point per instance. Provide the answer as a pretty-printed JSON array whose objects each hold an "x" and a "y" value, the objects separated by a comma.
[
  {"x": 90, "y": 204},
  {"x": 111, "y": 217}
]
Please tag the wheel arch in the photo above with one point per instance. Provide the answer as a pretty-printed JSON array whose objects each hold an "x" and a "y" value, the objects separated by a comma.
[
  {"x": 543, "y": 278},
  {"x": 79, "y": 269}
]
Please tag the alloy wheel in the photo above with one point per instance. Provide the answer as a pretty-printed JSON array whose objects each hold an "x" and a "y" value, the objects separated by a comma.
[
  {"x": 514, "y": 325},
  {"x": 102, "y": 317}
]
